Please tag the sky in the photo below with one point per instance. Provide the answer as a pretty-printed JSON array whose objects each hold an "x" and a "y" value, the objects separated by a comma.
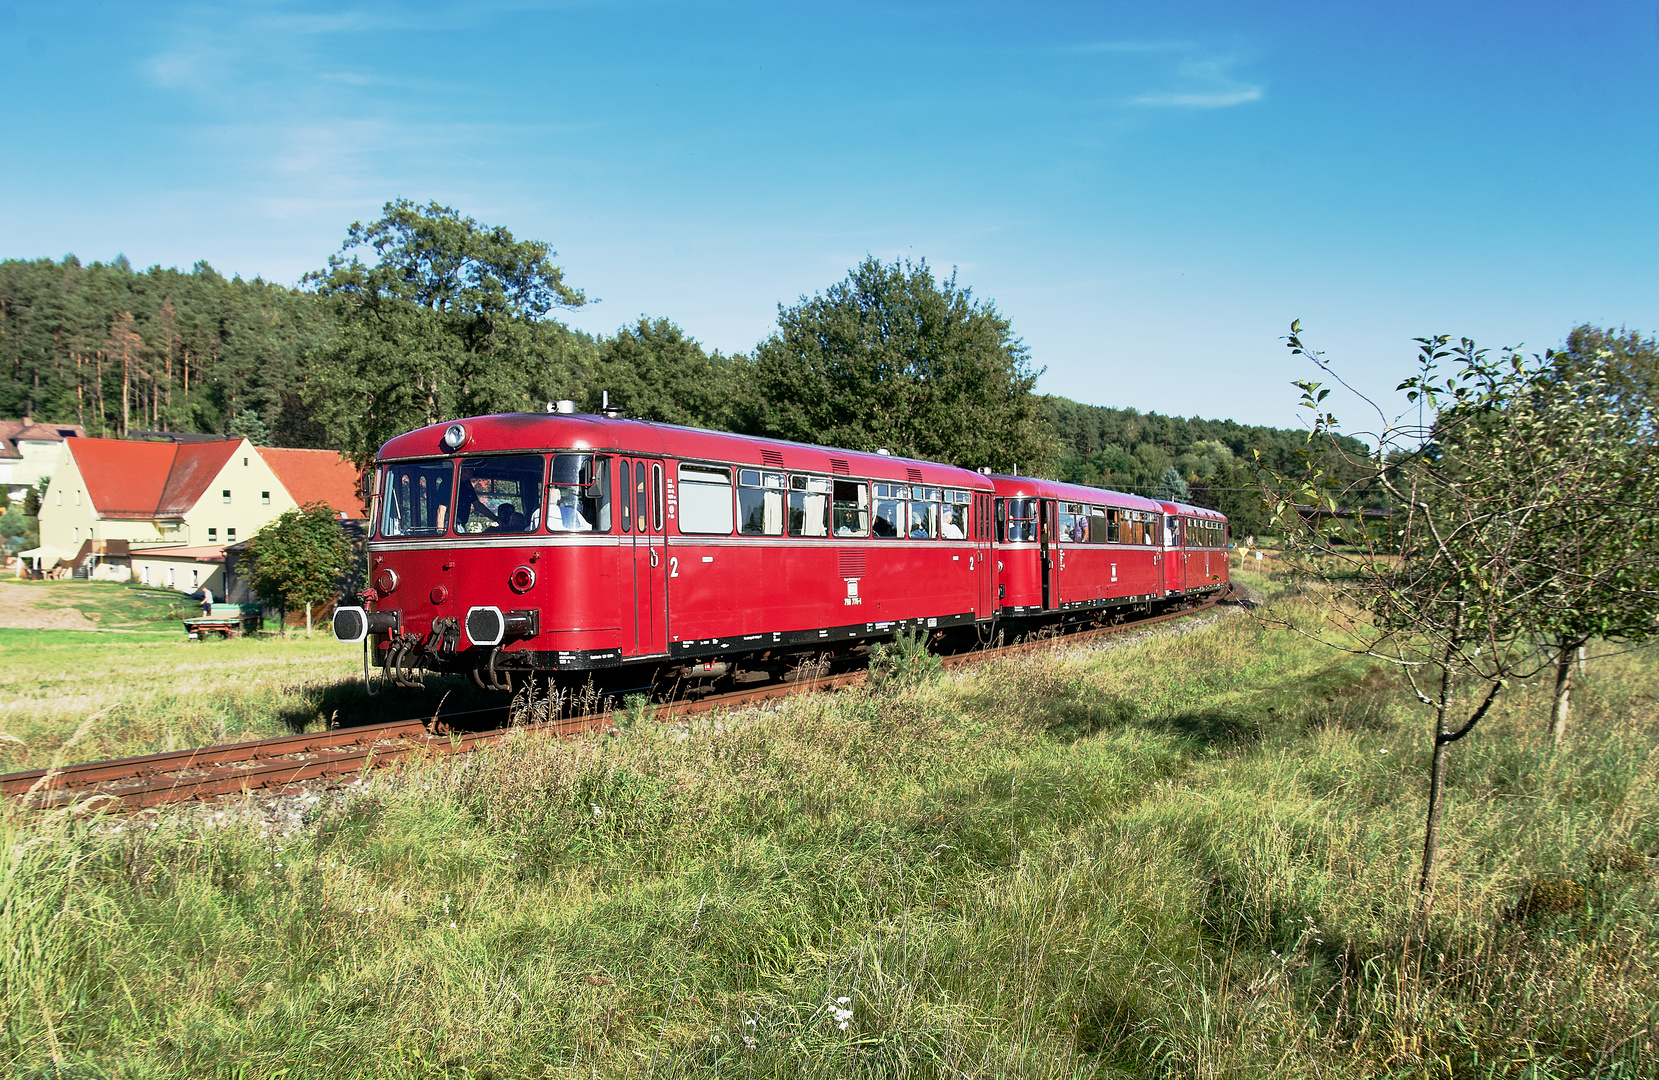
[{"x": 1150, "y": 193}]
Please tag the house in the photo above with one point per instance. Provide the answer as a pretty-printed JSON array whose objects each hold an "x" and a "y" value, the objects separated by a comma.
[
  {"x": 30, "y": 452},
  {"x": 178, "y": 505}
]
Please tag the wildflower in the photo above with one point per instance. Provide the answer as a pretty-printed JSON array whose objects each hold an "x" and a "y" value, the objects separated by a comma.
[
  {"x": 452, "y": 926},
  {"x": 1383, "y": 750},
  {"x": 749, "y": 1041},
  {"x": 596, "y": 811}
]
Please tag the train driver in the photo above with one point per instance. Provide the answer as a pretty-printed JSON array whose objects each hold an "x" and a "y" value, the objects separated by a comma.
[{"x": 566, "y": 515}]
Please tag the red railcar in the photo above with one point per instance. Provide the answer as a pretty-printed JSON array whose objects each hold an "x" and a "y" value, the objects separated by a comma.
[
  {"x": 1195, "y": 550},
  {"x": 1065, "y": 547},
  {"x": 574, "y": 542}
]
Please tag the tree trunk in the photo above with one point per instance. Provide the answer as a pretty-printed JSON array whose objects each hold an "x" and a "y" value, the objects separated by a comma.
[
  {"x": 1563, "y": 703},
  {"x": 1431, "y": 833}
]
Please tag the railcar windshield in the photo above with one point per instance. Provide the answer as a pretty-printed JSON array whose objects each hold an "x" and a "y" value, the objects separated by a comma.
[
  {"x": 416, "y": 498},
  {"x": 500, "y": 494},
  {"x": 579, "y": 494},
  {"x": 1022, "y": 519}
]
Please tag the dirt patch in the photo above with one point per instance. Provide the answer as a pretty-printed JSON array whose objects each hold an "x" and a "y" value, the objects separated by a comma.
[{"x": 19, "y": 610}]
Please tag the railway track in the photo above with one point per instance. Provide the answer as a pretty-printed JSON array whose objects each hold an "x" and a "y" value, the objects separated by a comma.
[{"x": 274, "y": 764}]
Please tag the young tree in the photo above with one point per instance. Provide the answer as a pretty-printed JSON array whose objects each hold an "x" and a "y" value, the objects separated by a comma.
[
  {"x": 1599, "y": 570},
  {"x": 1485, "y": 493},
  {"x": 891, "y": 358},
  {"x": 298, "y": 559}
]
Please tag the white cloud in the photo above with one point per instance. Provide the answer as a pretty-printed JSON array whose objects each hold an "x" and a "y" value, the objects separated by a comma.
[{"x": 1216, "y": 99}]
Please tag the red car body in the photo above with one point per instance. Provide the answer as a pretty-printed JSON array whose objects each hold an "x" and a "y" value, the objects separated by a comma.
[{"x": 563, "y": 542}]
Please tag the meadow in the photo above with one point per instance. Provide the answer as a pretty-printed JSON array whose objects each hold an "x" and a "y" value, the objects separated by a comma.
[
  {"x": 156, "y": 690},
  {"x": 1190, "y": 855}
]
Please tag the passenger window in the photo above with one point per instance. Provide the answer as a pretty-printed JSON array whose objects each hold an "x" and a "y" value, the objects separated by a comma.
[
  {"x": 924, "y": 520},
  {"x": 760, "y": 502},
  {"x": 1098, "y": 530},
  {"x": 625, "y": 487},
  {"x": 656, "y": 502},
  {"x": 852, "y": 508},
  {"x": 953, "y": 521},
  {"x": 891, "y": 513},
  {"x": 705, "y": 499},
  {"x": 809, "y": 506},
  {"x": 579, "y": 495},
  {"x": 500, "y": 495}
]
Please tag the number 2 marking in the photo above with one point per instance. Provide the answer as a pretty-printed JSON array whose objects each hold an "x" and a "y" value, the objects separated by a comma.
[{"x": 673, "y": 566}]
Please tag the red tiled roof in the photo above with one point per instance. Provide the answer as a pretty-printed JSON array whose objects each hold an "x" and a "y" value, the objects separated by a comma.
[
  {"x": 124, "y": 478},
  {"x": 51, "y": 432},
  {"x": 317, "y": 476},
  {"x": 194, "y": 467}
]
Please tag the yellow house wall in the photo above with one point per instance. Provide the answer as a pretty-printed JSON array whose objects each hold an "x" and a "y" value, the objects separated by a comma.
[
  {"x": 66, "y": 517},
  {"x": 248, "y": 478}
]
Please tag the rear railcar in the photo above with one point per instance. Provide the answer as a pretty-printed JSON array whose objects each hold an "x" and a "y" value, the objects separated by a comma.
[{"x": 1196, "y": 542}]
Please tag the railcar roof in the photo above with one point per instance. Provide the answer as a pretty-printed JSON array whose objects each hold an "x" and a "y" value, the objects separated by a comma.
[
  {"x": 541, "y": 432},
  {"x": 1036, "y": 487},
  {"x": 1193, "y": 511}
]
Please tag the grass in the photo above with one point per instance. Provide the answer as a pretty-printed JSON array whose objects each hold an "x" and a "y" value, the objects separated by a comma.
[
  {"x": 1187, "y": 856},
  {"x": 157, "y": 690}
]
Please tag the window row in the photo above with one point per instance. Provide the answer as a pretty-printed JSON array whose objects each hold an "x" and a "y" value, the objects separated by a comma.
[
  {"x": 1206, "y": 533},
  {"x": 503, "y": 495},
  {"x": 774, "y": 503},
  {"x": 1078, "y": 523}
]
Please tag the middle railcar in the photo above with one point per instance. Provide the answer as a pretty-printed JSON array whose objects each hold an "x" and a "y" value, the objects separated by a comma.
[{"x": 1069, "y": 548}]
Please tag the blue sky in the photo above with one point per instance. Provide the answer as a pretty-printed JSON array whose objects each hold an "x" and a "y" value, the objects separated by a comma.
[{"x": 1150, "y": 192}]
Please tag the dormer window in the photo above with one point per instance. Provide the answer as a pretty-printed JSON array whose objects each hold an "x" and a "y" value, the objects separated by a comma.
[
  {"x": 212, "y": 535},
  {"x": 265, "y": 498},
  {"x": 225, "y": 496}
]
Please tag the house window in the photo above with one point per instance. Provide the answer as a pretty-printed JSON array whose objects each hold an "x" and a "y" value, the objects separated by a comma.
[
  {"x": 171, "y": 580},
  {"x": 144, "y": 574},
  {"x": 212, "y": 535},
  {"x": 230, "y": 536},
  {"x": 265, "y": 498},
  {"x": 195, "y": 578},
  {"x": 244, "y": 463},
  {"x": 77, "y": 497},
  {"x": 60, "y": 498},
  {"x": 225, "y": 496}
]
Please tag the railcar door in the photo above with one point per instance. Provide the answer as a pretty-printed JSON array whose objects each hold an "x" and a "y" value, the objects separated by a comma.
[
  {"x": 643, "y": 539},
  {"x": 1174, "y": 557},
  {"x": 984, "y": 558},
  {"x": 1049, "y": 538}
]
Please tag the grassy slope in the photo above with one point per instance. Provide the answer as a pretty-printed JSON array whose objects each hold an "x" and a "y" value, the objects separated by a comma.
[{"x": 1190, "y": 857}]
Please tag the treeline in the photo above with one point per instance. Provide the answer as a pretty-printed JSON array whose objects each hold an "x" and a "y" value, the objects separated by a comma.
[
  {"x": 1217, "y": 460},
  {"x": 448, "y": 317}
]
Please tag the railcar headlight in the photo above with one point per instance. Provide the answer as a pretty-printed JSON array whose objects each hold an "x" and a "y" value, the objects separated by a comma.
[
  {"x": 523, "y": 579},
  {"x": 385, "y": 582},
  {"x": 455, "y": 436}
]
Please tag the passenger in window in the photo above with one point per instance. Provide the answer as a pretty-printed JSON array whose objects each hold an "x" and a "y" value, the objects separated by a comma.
[
  {"x": 950, "y": 528},
  {"x": 471, "y": 507},
  {"x": 884, "y": 525},
  {"x": 504, "y": 519},
  {"x": 920, "y": 526},
  {"x": 566, "y": 515}
]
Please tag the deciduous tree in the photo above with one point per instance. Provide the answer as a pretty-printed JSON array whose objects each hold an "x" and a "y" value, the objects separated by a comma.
[
  {"x": 893, "y": 358},
  {"x": 299, "y": 558}
]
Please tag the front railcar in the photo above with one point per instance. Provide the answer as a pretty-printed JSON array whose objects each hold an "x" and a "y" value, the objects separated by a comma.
[{"x": 573, "y": 543}]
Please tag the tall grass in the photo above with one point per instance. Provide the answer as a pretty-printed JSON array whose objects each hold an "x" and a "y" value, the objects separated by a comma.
[{"x": 1188, "y": 856}]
